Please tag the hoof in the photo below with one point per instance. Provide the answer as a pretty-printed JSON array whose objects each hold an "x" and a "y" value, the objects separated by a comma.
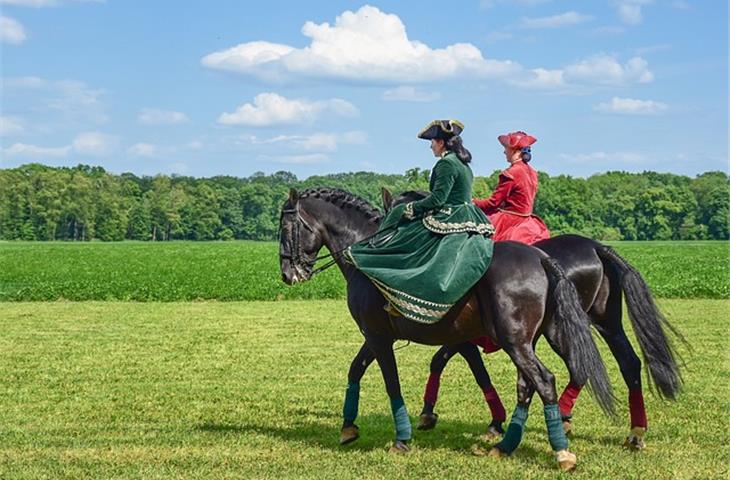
[
  {"x": 635, "y": 440},
  {"x": 491, "y": 435},
  {"x": 427, "y": 421},
  {"x": 568, "y": 428},
  {"x": 497, "y": 453},
  {"x": 399, "y": 447},
  {"x": 349, "y": 434},
  {"x": 566, "y": 460}
]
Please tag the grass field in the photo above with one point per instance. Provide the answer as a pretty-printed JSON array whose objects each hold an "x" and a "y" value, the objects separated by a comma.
[
  {"x": 255, "y": 389},
  {"x": 177, "y": 271}
]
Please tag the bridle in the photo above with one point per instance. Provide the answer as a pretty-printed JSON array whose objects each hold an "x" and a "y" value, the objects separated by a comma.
[{"x": 296, "y": 254}]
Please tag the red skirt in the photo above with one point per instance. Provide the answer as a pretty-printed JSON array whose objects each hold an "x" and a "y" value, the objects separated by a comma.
[{"x": 520, "y": 228}]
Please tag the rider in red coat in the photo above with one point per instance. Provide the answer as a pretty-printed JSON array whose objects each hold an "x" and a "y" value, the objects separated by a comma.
[{"x": 510, "y": 206}]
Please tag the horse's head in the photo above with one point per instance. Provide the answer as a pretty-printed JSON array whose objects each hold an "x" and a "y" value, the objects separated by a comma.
[
  {"x": 300, "y": 240},
  {"x": 389, "y": 201}
]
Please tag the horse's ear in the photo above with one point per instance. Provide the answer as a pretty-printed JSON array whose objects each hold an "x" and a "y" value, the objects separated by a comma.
[
  {"x": 387, "y": 198},
  {"x": 293, "y": 197}
]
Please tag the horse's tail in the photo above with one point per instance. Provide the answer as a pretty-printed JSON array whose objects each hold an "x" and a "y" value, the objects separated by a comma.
[
  {"x": 573, "y": 335},
  {"x": 648, "y": 323}
]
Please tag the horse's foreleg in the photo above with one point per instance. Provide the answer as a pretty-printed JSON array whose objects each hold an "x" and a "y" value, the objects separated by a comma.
[
  {"x": 516, "y": 428},
  {"x": 382, "y": 347},
  {"x": 359, "y": 365},
  {"x": 537, "y": 376}
]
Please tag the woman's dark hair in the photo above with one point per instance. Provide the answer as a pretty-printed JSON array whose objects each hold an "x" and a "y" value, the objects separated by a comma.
[
  {"x": 526, "y": 155},
  {"x": 455, "y": 145}
]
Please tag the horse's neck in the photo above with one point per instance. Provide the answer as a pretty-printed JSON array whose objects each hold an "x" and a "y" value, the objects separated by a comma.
[{"x": 342, "y": 229}]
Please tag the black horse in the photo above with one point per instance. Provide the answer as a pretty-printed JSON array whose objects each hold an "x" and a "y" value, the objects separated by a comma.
[
  {"x": 523, "y": 294},
  {"x": 602, "y": 279}
]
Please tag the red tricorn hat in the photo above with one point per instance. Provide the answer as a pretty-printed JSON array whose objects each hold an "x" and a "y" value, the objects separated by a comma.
[{"x": 516, "y": 140}]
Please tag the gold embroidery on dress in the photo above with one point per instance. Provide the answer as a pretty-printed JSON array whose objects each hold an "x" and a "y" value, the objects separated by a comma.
[{"x": 445, "y": 227}]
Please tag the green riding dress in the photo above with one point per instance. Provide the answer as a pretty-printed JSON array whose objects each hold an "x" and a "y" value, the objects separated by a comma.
[{"x": 428, "y": 254}]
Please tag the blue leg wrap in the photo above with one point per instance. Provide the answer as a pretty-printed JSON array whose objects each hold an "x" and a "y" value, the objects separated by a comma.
[
  {"x": 402, "y": 422},
  {"x": 352, "y": 401},
  {"x": 513, "y": 435},
  {"x": 556, "y": 433}
]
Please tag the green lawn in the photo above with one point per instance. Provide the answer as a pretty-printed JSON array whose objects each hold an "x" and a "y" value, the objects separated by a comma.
[
  {"x": 254, "y": 390},
  {"x": 179, "y": 271}
]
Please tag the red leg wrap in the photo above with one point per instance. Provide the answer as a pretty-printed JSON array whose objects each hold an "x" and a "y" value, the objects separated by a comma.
[
  {"x": 432, "y": 388},
  {"x": 636, "y": 406},
  {"x": 568, "y": 398},
  {"x": 495, "y": 404}
]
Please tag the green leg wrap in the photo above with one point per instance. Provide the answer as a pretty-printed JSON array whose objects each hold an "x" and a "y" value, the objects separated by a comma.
[
  {"x": 402, "y": 422},
  {"x": 516, "y": 428},
  {"x": 556, "y": 433},
  {"x": 352, "y": 401}
]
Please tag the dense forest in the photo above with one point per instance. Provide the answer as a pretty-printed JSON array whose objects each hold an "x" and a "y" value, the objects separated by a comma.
[{"x": 83, "y": 203}]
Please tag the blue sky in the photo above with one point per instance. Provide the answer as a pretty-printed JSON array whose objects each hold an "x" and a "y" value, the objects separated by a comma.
[{"x": 230, "y": 87}]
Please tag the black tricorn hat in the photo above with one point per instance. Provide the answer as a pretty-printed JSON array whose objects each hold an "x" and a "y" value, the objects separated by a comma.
[{"x": 443, "y": 129}]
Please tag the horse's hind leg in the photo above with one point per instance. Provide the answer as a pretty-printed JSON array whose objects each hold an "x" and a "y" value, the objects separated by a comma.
[
  {"x": 534, "y": 376},
  {"x": 428, "y": 418},
  {"x": 350, "y": 432},
  {"x": 471, "y": 354}
]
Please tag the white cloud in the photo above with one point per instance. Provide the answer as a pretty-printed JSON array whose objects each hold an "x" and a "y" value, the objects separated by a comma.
[
  {"x": 544, "y": 79},
  {"x": 25, "y": 150},
  {"x": 195, "y": 145},
  {"x": 151, "y": 116},
  {"x": 10, "y": 126},
  {"x": 631, "y": 106},
  {"x": 88, "y": 143},
  {"x": 629, "y": 11},
  {"x": 364, "y": 46},
  {"x": 601, "y": 70},
  {"x": 272, "y": 109},
  {"x": 94, "y": 143},
  {"x": 323, "y": 142},
  {"x": 407, "y": 93},
  {"x": 604, "y": 69},
  {"x": 11, "y": 31},
  {"x": 555, "y": 21},
  {"x": 143, "y": 150}
]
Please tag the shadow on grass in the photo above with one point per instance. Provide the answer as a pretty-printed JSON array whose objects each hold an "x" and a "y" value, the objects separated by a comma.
[{"x": 376, "y": 433}]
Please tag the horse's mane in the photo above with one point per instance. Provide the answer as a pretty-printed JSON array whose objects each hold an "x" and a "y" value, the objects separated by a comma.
[{"x": 344, "y": 199}]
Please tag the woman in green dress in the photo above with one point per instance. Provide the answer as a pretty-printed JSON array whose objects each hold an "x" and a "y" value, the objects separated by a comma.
[{"x": 427, "y": 254}]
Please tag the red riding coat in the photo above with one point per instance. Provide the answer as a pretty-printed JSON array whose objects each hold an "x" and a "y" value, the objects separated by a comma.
[
  {"x": 510, "y": 211},
  {"x": 510, "y": 206}
]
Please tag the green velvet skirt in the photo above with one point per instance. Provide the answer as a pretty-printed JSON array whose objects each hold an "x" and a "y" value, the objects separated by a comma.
[{"x": 420, "y": 272}]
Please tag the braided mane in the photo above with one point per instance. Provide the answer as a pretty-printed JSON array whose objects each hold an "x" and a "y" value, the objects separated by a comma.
[{"x": 343, "y": 199}]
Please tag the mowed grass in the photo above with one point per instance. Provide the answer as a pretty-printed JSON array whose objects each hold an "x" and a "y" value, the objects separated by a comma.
[
  {"x": 178, "y": 271},
  {"x": 255, "y": 390}
]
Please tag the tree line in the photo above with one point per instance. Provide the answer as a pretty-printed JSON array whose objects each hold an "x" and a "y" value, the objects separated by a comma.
[{"x": 84, "y": 203}]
